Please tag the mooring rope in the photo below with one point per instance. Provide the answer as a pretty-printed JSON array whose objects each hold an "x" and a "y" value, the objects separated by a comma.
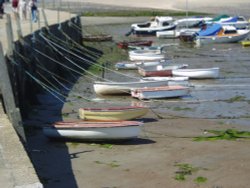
[{"x": 89, "y": 62}]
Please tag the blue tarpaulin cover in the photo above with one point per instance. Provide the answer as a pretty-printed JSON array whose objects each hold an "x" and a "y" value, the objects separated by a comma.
[{"x": 210, "y": 31}]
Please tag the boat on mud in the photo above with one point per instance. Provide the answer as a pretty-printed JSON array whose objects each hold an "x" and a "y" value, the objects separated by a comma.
[
  {"x": 220, "y": 34},
  {"x": 198, "y": 73},
  {"x": 112, "y": 114},
  {"x": 114, "y": 88},
  {"x": 127, "y": 44},
  {"x": 160, "y": 70},
  {"x": 93, "y": 131},
  {"x": 158, "y": 23},
  {"x": 128, "y": 65},
  {"x": 160, "y": 92}
]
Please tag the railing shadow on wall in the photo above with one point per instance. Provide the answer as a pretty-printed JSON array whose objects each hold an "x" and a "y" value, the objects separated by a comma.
[{"x": 26, "y": 68}]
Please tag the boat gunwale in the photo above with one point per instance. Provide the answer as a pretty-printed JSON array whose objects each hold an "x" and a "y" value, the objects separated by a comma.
[
  {"x": 112, "y": 109},
  {"x": 93, "y": 124}
]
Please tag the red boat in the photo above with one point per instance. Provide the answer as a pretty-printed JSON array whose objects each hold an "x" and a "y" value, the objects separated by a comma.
[{"x": 126, "y": 44}]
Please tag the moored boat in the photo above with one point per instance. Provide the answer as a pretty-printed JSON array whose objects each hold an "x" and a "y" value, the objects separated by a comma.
[
  {"x": 134, "y": 65},
  {"x": 198, "y": 73},
  {"x": 114, "y": 88},
  {"x": 159, "y": 92},
  {"x": 172, "y": 81},
  {"x": 126, "y": 44},
  {"x": 94, "y": 131},
  {"x": 146, "y": 56},
  {"x": 245, "y": 43},
  {"x": 159, "y": 70},
  {"x": 158, "y": 23},
  {"x": 112, "y": 114},
  {"x": 220, "y": 34},
  {"x": 97, "y": 38}
]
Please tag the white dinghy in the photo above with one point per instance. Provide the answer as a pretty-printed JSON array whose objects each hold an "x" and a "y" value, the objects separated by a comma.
[
  {"x": 198, "y": 73},
  {"x": 94, "y": 131},
  {"x": 159, "y": 92},
  {"x": 113, "y": 88}
]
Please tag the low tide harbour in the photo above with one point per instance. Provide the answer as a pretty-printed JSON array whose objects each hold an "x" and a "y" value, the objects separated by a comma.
[{"x": 166, "y": 139}]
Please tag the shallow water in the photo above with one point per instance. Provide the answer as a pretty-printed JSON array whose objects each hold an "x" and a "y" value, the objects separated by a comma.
[{"x": 225, "y": 98}]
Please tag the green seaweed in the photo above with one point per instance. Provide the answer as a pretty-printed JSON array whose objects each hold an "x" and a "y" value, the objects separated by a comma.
[
  {"x": 200, "y": 179},
  {"x": 184, "y": 170},
  {"x": 229, "y": 134},
  {"x": 237, "y": 98},
  {"x": 108, "y": 146}
]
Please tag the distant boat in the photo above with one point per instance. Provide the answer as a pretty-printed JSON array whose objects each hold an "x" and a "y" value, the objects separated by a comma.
[
  {"x": 159, "y": 92},
  {"x": 158, "y": 23},
  {"x": 172, "y": 81},
  {"x": 239, "y": 22},
  {"x": 112, "y": 114},
  {"x": 134, "y": 65},
  {"x": 221, "y": 34},
  {"x": 114, "y": 88},
  {"x": 94, "y": 131},
  {"x": 126, "y": 44},
  {"x": 198, "y": 73},
  {"x": 146, "y": 55},
  {"x": 97, "y": 38},
  {"x": 159, "y": 70},
  {"x": 245, "y": 43}
]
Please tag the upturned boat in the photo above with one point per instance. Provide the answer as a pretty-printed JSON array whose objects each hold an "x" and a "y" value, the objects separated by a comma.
[
  {"x": 159, "y": 70},
  {"x": 94, "y": 131},
  {"x": 112, "y": 114},
  {"x": 198, "y": 73},
  {"x": 114, "y": 88},
  {"x": 160, "y": 92}
]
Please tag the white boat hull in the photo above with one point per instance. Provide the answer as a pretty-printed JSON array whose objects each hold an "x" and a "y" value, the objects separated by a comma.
[
  {"x": 132, "y": 65},
  {"x": 111, "y": 133},
  {"x": 160, "y": 92},
  {"x": 197, "y": 73},
  {"x": 112, "y": 88},
  {"x": 146, "y": 57},
  {"x": 172, "y": 81}
]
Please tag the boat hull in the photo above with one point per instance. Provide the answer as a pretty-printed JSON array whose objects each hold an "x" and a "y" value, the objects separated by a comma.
[
  {"x": 112, "y": 114},
  {"x": 245, "y": 43},
  {"x": 159, "y": 70},
  {"x": 172, "y": 81},
  {"x": 126, "y": 44},
  {"x": 134, "y": 65},
  {"x": 242, "y": 34},
  {"x": 95, "y": 131},
  {"x": 114, "y": 88},
  {"x": 146, "y": 57},
  {"x": 198, "y": 73},
  {"x": 151, "y": 31},
  {"x": 160, "y": 92}
]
